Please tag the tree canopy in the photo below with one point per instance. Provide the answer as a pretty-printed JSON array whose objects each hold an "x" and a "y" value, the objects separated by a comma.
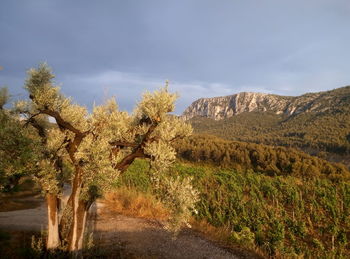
[{"x": 98, "y": 146}]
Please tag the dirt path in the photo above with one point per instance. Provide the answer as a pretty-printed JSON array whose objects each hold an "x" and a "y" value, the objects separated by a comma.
[
  {"x": 33, "y": 216},
  {"x": 138, "y": 237},
  {"x": 148, "y": 239},
  {"x": 27, "y": 219}
]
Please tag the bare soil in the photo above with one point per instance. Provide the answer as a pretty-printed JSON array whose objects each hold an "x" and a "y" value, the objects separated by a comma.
[{"x": 148, "y": 238}]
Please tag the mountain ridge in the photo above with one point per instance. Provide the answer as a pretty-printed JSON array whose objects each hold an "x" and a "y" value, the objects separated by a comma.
[
  {"x": 223, "y": 107},
  {"x": 317, "y": 123}
]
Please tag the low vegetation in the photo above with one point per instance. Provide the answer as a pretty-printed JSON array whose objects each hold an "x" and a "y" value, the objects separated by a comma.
[
  {"x": 131, "y": 202},
  {"x": 282, "y": 216}
]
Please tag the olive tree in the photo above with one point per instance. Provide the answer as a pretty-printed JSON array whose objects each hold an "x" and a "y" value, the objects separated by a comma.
[
  {"x": 100, "y": 146},
  {"x": 48, "y": 172},
  {"x": 19, "y": 148}
]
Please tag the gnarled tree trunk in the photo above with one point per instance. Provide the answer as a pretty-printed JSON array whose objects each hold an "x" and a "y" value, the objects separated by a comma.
[
  {"x": 53, "y": 239},
  {"x": 80, "y": 211},
  {"x": 66, "y": 221},
  {"x": 78, "y": 227}
]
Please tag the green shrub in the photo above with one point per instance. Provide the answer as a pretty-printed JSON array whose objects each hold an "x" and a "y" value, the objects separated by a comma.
[{"x": 244, "y": 237}]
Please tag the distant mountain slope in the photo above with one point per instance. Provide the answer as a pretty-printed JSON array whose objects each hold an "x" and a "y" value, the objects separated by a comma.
[
  {"x": 257, "y": 157},
  {"x": 218, "y": 108},
  {"x": 318, "y": 123}
]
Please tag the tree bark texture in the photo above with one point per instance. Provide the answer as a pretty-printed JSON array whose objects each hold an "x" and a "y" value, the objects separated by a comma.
[
  {"x": 53, "y": 239},
  {"x": 80, "y": 210}
]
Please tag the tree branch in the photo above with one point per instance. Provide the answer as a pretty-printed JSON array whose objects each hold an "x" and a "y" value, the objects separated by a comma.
[
  {"x": 73, "y": 145},
  {"x": 65, "y": 125},
  {"x": 66, "y": 140},
  {"x": 138, "y": 152},
  {"x": 127, "y": 161},
  {"x": 38, "y": 127},
  {"x": 31, "y": 117},
  {"x": 62, "y": 124}
]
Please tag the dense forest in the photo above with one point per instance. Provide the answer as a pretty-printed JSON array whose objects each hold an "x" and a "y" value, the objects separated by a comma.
[
  {"x": 265, "y": 159},
  {"x": 325, "y": 132}
]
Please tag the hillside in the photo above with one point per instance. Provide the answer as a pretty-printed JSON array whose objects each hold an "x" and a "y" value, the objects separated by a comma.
[
  {"x": 318, "y": 123},
  {"x": 260, "y": 158}
]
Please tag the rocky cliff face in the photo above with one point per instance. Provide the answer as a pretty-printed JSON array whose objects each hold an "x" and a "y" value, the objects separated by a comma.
[{"x": 219, "y": 108}]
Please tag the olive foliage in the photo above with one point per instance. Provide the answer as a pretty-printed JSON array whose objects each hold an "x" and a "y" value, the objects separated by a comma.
[
  {"x": 100, "y": 145},
  {"x": 19, "y": 149}
]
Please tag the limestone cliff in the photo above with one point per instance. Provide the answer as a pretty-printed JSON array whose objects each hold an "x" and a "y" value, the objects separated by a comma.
[{"x": 224, "y": 107}]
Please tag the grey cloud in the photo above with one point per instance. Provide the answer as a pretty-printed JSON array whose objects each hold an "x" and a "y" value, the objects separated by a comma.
[{"x": 205, "y": 47}]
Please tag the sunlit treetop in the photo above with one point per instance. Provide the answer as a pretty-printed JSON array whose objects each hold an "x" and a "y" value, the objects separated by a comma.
[{"x": 106, "y": 141}]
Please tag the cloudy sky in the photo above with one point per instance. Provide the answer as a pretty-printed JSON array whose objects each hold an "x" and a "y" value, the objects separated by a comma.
[{"x": 204, "y": 48}]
